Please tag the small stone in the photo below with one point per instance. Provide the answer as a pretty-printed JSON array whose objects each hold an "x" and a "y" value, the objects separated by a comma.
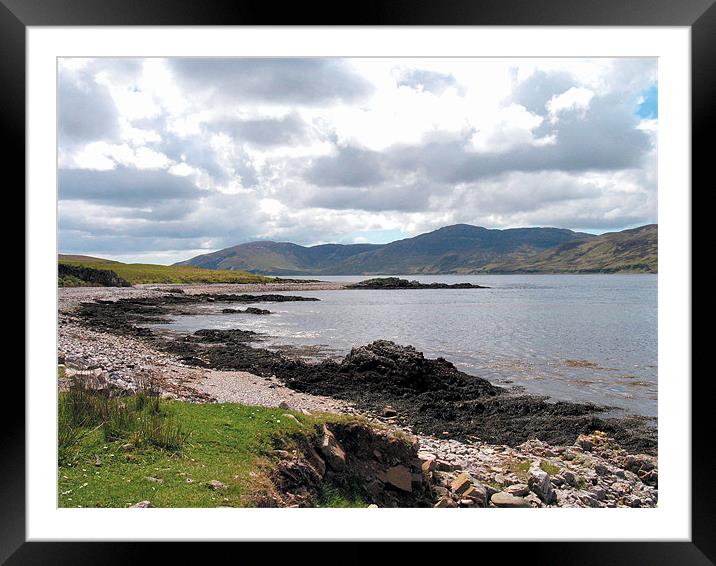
[
  {"x": 283, "y": 405},
  {"x": 461, "y": 483},
  {"x": 444, "y": 502},
  {"x": 584, "y": 442},
  {"x": 153, "y": 479},
  {"x": 477, "y": 493},
  {"x": 97, "y": 461},
  {"x": 467, "y": 503},
  {"x": 389, "y": 411},
  {"x": 372, "y": 506},
  {"x": 216, "y": 484},
  {"x": 569, "y": 477},
  {"x": 507, "y": 500},
  {"x": 290, "y": 417},
  {"x": 445, "y": 466},
  {"x": 533, "y": 500},
  {"x": 518, "y": 490},
  {"x": 142, "y": 505}
]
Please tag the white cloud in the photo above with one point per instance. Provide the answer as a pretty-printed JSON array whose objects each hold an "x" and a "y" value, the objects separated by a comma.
[
  {"x": 576, "y": 98},
  {"x": 327, "y": 150}
]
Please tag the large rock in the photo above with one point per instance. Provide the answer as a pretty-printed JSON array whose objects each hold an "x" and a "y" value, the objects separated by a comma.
[
  {"x": 332, "y": 452},
  {"x": 518, "y": 489},
  {"x": 461, "y": 483},
  {"x": 399, "y": 477},
  {"x": 540, "y": 484},
  {"x": 503, "y": 499},
  {"x": 476, "y": 493}
]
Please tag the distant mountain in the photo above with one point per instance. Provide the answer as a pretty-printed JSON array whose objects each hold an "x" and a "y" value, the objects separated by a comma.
[
  {"x": 453, "y": 249},
  {"x": 632, "y": 250},
  {"x": 280, "y": 258}
]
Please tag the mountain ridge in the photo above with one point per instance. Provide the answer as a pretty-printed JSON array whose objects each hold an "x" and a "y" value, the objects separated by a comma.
[{"x": 459, "y": 248}]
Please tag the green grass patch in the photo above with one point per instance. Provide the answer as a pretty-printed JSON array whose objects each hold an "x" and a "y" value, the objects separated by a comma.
[
  {"x": 520, "y": 468},
  {"x": 227, "y": 442},
  {"x": 71, "y": 281},
  {"x": 548, "y": 467},
  {"x": 136, "y": 273}
]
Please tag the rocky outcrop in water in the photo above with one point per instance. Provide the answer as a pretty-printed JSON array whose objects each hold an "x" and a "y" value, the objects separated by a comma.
[
  {"x": 248, "y": 310},
  {"x": 397, "y": 283}
]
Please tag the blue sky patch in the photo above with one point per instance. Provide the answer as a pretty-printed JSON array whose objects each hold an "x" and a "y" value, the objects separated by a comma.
[{"x": 649, "y": 108}]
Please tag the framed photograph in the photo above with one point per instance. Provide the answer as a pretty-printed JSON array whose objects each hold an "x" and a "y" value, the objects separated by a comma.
[{"x": 421, "y": 275}]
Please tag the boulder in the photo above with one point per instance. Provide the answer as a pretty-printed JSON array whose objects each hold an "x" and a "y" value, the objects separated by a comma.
[
  {"x": 476, "y": 493},
  {"x": 507, "y": 500},
  {"x": 540, "y": 484},
  {"x": 399, "y": 477},
  {"x": 569, "y": 477},
  {"x": 332, "y": 452},
  {"x": 461, "y": 483}
]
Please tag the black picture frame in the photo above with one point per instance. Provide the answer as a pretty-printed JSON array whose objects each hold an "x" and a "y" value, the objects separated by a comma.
[{"x": 699, "y": 15}]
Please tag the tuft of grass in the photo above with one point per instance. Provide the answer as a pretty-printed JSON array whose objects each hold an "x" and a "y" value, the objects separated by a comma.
[
  {"x": 548, "y": 467},
  {"x": 520, "y": 468}
]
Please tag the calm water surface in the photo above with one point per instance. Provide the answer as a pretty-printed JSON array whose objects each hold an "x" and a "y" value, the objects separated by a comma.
[{"x": 572, "y": 337}]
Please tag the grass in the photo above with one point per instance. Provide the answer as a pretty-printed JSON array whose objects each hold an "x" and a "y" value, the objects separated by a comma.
[
  {"x": 520, "y": 468},
  {"x": 550, "y": 468},
  {"x": 136, "y": 273},
  {"x": 141, "y": 458}
]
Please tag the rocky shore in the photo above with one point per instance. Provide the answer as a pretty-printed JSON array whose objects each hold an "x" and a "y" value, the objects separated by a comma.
[{"x": 473, "y": 437}]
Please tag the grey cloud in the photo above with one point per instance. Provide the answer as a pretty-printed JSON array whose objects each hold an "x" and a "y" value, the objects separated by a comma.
[
  {"x": 430, "y": 81},
  {"x": 613, "y": 143},
  {"x": 124, "y": 186},
  {"x": 351, "y": 167},
  {"x": 86, "y": 111},
  {"x": 289, "y": 130},
  {"x": 536, "y": 90},
  {"x": 411, "y": 198},
  {"x": 290, "y": 80}
]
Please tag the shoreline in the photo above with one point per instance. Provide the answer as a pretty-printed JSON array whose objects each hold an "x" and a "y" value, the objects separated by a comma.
[{"x": 487, "y": 461}]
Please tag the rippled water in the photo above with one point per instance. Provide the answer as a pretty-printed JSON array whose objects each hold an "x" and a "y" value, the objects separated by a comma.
[{"x": 572, "y": 337}]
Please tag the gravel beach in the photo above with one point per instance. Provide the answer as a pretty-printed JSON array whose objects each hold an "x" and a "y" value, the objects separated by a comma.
[{"x": 594, "y": 472}]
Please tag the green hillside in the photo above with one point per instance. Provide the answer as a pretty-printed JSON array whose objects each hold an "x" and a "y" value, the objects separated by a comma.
[
  {"x": 136, "y": 273},
  {"x": 629, "y": 251}
]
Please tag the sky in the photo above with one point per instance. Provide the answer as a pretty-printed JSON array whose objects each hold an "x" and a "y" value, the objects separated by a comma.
[{"x": 160, "y": 160}]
